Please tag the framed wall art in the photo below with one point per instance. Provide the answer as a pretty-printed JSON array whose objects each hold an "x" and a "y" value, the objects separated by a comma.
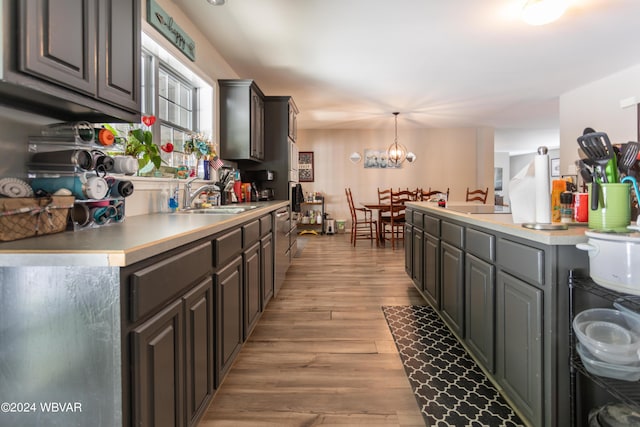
[
  {"x": 305, "y": 166},
  {"x": 555, "y": 167},
  {"x": 378, "y": 159}
]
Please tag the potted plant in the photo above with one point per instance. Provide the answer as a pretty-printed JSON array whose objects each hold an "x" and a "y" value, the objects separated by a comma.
[{"x": 139, "y": 143}]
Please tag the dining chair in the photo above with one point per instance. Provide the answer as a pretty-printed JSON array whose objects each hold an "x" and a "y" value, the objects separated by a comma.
[
  {"x": 363, "y": 226},
  {"x": 477, "y": 195},
  {"x": 426, "y": 195},
  {"x": 397, "y": 215},
  {"x": 384, "y": 198}
]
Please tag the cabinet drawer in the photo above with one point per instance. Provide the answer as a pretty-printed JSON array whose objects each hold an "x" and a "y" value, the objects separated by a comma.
[
  {"x": 153, "y": 286},
  {"x": 227, "y": 247},
  {"x": 432, "y": 225},
  {"x": 480, "y": 244},
  {"x": 265, "y": 225},
  {"x": 418, "y": 219},
  {"x": 250, "y": 233},
  {"x": 522, "y": 261},
  {"x": 452, "y": 233}
]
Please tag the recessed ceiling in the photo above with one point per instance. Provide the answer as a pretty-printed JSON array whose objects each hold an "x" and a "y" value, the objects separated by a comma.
[{"x": 440, "y": 63}]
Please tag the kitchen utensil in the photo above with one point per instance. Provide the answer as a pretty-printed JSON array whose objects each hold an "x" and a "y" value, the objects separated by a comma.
[
  {"x": 585, "y": 171},
  {"x": 595, "y": 366},
  {"x": 614, "y": 260},
  {"x": 634, "y": 182},
  {"x": 607, "y": 335},
  {"x": 629, "y": 156},
  {"x": 597, "y": 147}
]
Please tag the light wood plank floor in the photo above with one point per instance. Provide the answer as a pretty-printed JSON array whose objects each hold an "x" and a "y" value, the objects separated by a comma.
[{"x": 322, "y": 353}]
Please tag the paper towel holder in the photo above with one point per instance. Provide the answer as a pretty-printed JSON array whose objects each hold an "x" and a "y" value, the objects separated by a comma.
[
  {"x": 543, "y": 151},
  {"x": 537, "y": 226}
]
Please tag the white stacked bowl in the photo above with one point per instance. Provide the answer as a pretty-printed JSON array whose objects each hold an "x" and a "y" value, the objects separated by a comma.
[{"x": 609, "y": 335}]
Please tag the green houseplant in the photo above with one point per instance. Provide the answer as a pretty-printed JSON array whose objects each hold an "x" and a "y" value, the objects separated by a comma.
[{"x": 139, "y": 143}]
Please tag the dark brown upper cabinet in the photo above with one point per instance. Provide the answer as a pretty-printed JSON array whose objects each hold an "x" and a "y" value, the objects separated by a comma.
[{"x": 72, "y": 60}]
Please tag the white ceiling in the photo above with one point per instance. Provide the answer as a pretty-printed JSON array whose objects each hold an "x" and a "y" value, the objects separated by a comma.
[{"x": 440, "y": 63}]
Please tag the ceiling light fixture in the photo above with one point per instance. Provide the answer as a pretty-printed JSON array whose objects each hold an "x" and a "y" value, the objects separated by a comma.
[
  {"x": 541, "y": 12},
  {"x": 397, "y": 153},
  {"x": 216, "y": 2}
]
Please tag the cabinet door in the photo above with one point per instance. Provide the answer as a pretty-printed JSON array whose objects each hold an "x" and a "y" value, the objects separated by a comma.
[
  {"x": 417, "y": 257},
  {"x": 257, "y": 126},
  {"x": 119, "y": 53},
  {"x": 408, "y": 250},
  {"x": 58, "y": 42},
  {"x": 293, "y": 124},
  {"x": 267, "y": 273},
  {"x": 252, "y": 286},
  {"x": 158, "y": 369},
  {"x": 452, "y": 286},
  {"x": 228, "y": 289},
  {"x": 479, "y": 306},
  {"x": 519, "y": 329},
  {"x": 431, "y": 269},
  {"x": 199, "y": 335}
]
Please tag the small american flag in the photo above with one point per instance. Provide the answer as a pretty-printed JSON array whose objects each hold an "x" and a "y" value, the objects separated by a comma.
[{"x": 216, "y": 163}]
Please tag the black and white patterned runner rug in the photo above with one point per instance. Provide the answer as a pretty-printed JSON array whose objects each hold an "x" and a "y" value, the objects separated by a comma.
[{"x": 450, "y": 388}]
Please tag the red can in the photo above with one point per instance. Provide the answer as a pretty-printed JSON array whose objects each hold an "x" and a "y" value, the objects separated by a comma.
[{"x": 581, "y": 207}]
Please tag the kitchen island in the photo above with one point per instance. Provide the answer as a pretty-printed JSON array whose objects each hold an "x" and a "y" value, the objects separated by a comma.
[
  {"x": 130, "y": 324},
  {"x": 502, "y": 289}
]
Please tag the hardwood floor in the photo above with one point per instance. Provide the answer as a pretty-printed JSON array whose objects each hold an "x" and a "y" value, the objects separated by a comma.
[{"x": 322, "y": 353}]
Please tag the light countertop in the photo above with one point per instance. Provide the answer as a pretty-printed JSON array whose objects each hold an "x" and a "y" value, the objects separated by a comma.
[
  {"x": 117, "y": 245},
  {"x": 503, "y": 222}
]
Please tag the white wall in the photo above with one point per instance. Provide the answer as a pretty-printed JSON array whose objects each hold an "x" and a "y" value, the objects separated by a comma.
[
  {"x": 597, "y": 105},
  {"x": 446, "y": 158}
]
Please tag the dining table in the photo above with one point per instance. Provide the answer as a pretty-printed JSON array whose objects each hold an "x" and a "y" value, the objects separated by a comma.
[{"x": 381, "y": 208}]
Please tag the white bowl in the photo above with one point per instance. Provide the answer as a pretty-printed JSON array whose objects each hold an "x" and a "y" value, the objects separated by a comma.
[
  {"x": 608, "y": 335},
  {"x": 610, "y": 370}
]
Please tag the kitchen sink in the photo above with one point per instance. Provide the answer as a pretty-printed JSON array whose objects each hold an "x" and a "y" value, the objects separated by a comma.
[{"x": 218, "y": 210}]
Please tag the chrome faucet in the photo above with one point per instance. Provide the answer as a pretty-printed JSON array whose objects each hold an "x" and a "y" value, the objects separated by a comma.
[{"x": 189, "y": 196}]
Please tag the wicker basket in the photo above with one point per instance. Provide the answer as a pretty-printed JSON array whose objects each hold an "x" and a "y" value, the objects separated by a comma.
[{"x": 28, "y": 216}]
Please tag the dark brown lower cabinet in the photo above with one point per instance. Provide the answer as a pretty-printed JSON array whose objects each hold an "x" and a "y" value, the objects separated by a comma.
[
  {"x": 519, "y": 344},
  {"x": 228, "y": 290},
  {"x": 252, "y": 285},
  {"x": 452, "y": 288},
  {"x": 480, "y": 309},
  {"x": 267, "y": 261},
  {"x": 199, "y": 336},
  {"x": 159, "y": 369}
]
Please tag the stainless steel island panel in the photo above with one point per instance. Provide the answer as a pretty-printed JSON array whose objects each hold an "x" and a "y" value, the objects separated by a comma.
[{"x": 60, "y": 346}]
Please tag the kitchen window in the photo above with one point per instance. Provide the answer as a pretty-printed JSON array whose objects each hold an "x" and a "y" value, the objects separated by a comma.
[{"x": 181, "y": 101}]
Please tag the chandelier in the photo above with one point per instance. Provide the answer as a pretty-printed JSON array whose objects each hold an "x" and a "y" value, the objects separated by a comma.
[{"x": 397, "y": 153}]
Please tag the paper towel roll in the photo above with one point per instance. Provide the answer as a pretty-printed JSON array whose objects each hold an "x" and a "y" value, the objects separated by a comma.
[{"x": 543, "y": 185}]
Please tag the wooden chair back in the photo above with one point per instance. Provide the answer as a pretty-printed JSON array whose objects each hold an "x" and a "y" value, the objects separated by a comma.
[
  {"x": 423, "y": 195},
  {"x": 478, "y": 195},
  {"x": 384, "y": 196},
  {"x": 364, "y": 227},
  {"x": 398, "y": 199}
]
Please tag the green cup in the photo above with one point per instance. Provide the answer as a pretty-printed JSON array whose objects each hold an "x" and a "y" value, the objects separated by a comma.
[{"x": 614, "y": 207}]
